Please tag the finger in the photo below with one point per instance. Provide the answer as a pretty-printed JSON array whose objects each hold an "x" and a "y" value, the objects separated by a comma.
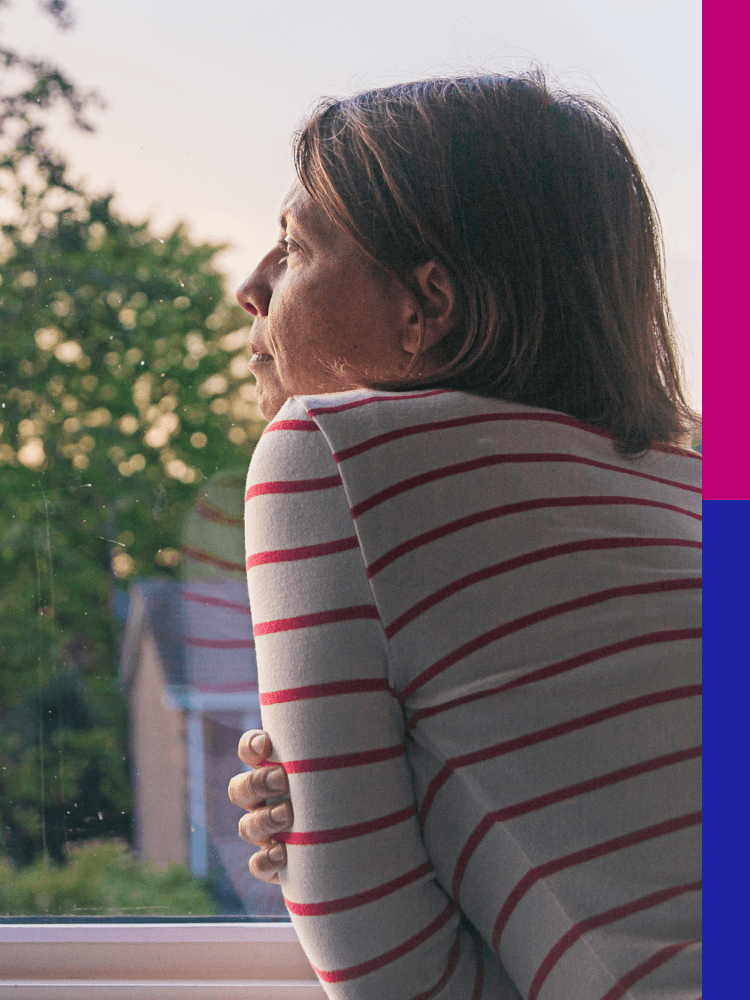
[
  {"x": 252, "y": 788},
  {"x": 259, "y": 825},
  {"x": 266, "y": 864},
  {"x": 255, "y": 747}
]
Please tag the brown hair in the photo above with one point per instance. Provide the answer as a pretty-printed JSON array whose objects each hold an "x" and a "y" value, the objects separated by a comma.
[{"x": 534, "y": 203}]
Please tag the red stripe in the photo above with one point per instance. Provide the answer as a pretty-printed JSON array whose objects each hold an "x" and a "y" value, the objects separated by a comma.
[
  {"x": 512, "y": 508},
  {"x": 314, "y": 764},
  {"x": 581, "y": 857},
  {"x": 316, "y": 618},
  {"x": 303, "y": 552},
  {"x": 210, "y": 512},
  {"x": 479, "y": 954},
  {"x": 363, "y": 686},
  {"x": 292, "y": 425},
  {"x": 528, "y": 559},
  {"x": 361, "y": 898},
  {"x": 601, "y": 920},
  {"x": 355, "y": 971},
  {"x": 219, "y": 643},
  {"x": 337, "y": 833},
  {"x": 486, "y": 461},
  {"x": 481, "y": 418},
  {"x": 640, "y": 972},
  {"x": 658, "y": 586},
  {"x": 552, "y": 732},
  {"x": 478, "y": 418},
  {"x": 207, "y": 557},
  {"x": 374, "y": 399},
  {"x": 216, "y": 602},
  {"x": 561, "y": 795},
  {"x": 449, "y": 970},
  {"x": 293, "y": 486},
  {"x": 563, "y": 666}
]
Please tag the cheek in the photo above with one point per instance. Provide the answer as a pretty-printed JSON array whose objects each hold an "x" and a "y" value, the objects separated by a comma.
[
  {"x": 289, "y": 319},
  {"x": 302, "y": 330}
]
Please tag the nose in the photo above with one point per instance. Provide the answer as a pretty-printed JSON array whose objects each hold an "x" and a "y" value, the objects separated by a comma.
[{"x": 254, "y": 294}]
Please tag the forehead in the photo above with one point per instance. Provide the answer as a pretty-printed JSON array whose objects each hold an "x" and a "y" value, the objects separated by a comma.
[{"x": 300, "y": 210}]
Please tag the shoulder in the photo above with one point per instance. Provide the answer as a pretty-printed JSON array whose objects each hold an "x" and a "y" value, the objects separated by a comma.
[
  {"x": 307, "y": 429},
  {"x": 311, "y": 432},
  {"x": 363, "y": 418},
  {"x": 294, "y": 495},
  {"x": 291, "y": 447}
]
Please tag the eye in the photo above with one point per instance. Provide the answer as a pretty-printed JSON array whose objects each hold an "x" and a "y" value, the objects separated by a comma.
[{"x": 287, "y": 246}]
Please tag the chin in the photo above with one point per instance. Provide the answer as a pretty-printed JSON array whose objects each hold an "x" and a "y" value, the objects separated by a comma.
[{"x": 270, "y": 406}]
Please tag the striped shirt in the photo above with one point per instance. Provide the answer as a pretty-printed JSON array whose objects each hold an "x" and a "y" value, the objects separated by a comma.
[{"x": 477, "y": 633}]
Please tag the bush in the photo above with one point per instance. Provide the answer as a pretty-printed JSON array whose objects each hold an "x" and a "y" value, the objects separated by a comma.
[{"x": 101, "y": 879}]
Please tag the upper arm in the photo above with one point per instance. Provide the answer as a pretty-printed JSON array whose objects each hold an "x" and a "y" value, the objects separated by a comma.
[{"x": 358, "y": 882}]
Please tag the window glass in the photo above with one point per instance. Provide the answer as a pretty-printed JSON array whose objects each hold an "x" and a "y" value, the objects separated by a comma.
[{"x": 127, "y": 669}]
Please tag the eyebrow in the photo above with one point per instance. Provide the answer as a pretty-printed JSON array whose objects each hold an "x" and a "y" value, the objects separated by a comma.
[
  {"x": 284, "y": 219},
  {"x": 288, "y": 216}
]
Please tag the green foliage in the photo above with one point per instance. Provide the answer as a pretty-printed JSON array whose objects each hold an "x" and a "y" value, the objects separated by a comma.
[
  {"x": 123, "y": 384},
  {"x": 64, "y": 773},
  {"x": 101, "y": 879}
]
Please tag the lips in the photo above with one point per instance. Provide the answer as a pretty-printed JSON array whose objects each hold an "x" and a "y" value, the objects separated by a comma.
[{"x": 259, "y": 356}]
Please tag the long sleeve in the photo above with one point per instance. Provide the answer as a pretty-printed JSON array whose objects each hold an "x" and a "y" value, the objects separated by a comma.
[
  {"x": 481, "y": 609},
  {"x": 359, "y": 885}
]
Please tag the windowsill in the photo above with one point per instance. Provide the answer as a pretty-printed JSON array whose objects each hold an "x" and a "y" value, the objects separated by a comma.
[{"x": 150, "y": 960}]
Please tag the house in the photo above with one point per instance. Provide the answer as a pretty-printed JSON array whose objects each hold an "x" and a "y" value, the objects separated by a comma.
[{"x": 188, "y": 667}]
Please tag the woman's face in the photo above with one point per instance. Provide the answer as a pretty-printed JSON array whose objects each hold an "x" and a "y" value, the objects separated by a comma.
[{"x": 324, "y": 319}]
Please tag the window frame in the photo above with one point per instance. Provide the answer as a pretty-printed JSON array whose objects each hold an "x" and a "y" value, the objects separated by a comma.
[{"x": 62, "y": 957}]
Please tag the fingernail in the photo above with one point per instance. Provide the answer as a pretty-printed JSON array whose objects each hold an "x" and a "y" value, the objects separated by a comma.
[
  {"x": 257, "y": 743},
  {"x": 279, "y": 813},
  {"x": 276, "y": 780},
  {"x": 276, "y": 853}
]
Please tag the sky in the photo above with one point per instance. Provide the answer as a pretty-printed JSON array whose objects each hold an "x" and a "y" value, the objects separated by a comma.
[{"x": 202, "y": 99}]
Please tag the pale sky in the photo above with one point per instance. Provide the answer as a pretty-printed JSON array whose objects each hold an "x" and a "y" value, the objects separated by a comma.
[{"x": 203, "y": 97}]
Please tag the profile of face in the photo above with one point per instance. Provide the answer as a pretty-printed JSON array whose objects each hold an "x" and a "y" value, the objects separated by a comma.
[{"x": 324, "y": 319}]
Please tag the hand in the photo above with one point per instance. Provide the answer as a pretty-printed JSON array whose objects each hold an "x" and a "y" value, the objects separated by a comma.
[{"x": 250, "y": 791}]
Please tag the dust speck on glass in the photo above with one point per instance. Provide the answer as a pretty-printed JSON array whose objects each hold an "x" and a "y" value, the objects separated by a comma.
[{"x": 127, "y": 667}]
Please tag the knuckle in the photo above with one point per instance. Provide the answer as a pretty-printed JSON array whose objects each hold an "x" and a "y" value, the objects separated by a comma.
[
  {"x": 247, "y": 828},
  {"x": 235, "y": 789},
  {"x": 256, "y": 784},
  {"x": 257, "y": 826},
  {"x": 247, "y": 790},
  {"x": 253, "y": 866},
  {"x": 258, "y": 867},
  {"x": 278, "y": 815},
  {"x": 275, "y": 779}
]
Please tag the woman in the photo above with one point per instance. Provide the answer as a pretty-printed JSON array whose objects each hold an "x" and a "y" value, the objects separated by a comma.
[{"x": 472, "y": 552}]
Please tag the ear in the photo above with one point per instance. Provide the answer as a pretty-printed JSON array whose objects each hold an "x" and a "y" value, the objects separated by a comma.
[{"x": 439, "y": 297}]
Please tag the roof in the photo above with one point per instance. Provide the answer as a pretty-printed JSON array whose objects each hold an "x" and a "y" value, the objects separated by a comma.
[
  {"x": 202, "y": 630},
  {"x": 156, "y": 606}
]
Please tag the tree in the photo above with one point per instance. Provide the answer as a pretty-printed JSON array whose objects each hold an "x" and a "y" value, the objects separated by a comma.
[
  {"x": 101, "y": 878},
  {"x": 30, "y": 169},
  {"x": 123, "y": 382}
]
